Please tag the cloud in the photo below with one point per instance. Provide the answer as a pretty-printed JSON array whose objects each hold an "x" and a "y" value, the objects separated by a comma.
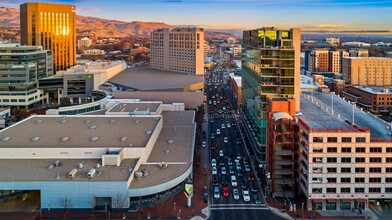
[
  {"x": 325, "y": 26},
  {"x": 90, "y": 9}
]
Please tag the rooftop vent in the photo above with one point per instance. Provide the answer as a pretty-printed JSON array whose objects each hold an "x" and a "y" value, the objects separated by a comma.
[
  {"x": 63, "y": 121},
  {"x": 56, "y": 163},
  {"x": 91, "y": 173},
  {"x": 137, "y": 121},
  {"x": 98, "y": 166},
  {"x": 112, "y": 121},
  {"x": 35, "y": 139},
  {"x": 157, "y": 118},
  {"x": 50, "y": 166},
  {"x": 170, "y": 141},
  {"x": 167, "y": 151},
  {"x": 5, "y": 139},
  {"x": 94, "y": 139},
  {"x": 65, "y": 138},
  {"x": 93, "y": 127},
  {"x": 149, "y": 132},
  {"x": 39, "y": 121},
  {"x": 73, "y": 173},
  {"x": 87, "y": 121},
  {"x": 123, "y": 139},
  {"x": 130, "y": 145},
  {"x": 80, "y": 165},
  {"x": 58, "y": 176}
]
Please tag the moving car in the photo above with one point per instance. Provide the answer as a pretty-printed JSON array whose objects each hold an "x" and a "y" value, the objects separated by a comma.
[
  {"x": 225, "y": 140},
  {"x": 245, "y": 195},
  {"x": 223, "y": 171},
  {"x": 214, "y": 171},
  {"x": 216, "y": 192},
  {"x": 236, "y": 194},
  {"x": 250, "y": 176},
  {"x": 225, "y": 191},
  {"x": 203, "y": 144},
  {"x": 213, "y": 162},
  {"x": 218, "y": 131},
  {"x": 221, "y": 153}
]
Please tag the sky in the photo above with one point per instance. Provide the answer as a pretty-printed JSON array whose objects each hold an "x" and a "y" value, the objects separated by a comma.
[{"x": 327, "y": 15}]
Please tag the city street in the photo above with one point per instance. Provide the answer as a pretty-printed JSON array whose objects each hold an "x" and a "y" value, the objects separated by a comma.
[{"x": 231, "y": 169}]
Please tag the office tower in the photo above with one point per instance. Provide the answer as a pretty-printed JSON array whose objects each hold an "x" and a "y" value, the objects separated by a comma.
[
  {"x": 270, "y": 69},
  {"x": 20, "y": 69},
  {"x": 52, "y": 26},
  {"x": 367, "y": 71},
  {"x": 178, "y": 50}
]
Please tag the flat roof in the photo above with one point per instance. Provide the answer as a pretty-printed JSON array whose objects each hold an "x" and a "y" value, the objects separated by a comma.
[
  {"x": 319, "y": 118},
  {"x": 152, "y": 79},
  {"x": 376, "y": 90},
  {"x": 80, "y": 129},
  {"x": 135, "y": 106},
  {"x": 37, "y": 170}
]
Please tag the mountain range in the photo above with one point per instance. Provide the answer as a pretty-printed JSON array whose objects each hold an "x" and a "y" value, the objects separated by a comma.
[{"x": 9, "y": 17}]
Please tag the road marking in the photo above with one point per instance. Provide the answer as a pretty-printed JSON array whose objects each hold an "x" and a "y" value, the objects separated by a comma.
[
  {"x": 232, "y": 208},
  {"x": 257, "y": 205}
]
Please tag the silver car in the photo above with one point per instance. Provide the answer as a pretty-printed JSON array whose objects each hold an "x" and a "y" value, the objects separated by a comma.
[{"x": 236, "y": 194}]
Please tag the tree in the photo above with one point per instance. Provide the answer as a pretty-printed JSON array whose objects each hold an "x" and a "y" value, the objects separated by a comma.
[
  {"x": 66, "y": 203},
  {"x": 119, "y": 201}
]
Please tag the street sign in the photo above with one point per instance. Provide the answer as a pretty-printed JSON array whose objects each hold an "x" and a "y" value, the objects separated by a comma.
[{"x": 188, "y": 190}]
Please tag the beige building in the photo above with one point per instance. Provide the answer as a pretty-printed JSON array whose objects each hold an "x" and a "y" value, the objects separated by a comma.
[
  {"x": 178, "y": 49},
  {"x": 52, "y": 26},
  {"x": 367, "y": 71},
  {"x": 85, "y": 42},
  {"x": 319, "y": 60}
]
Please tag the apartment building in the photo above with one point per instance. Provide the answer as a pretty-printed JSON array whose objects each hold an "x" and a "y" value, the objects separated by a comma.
[
  {"x": 344, "y": 155},
  {"x": 84, "y": 42},
  {"x": 21, "y": 67},
  {"x": 270, "y": 69},
  {"x": 178, "y": 50},
  {"x": 319, "y": 60},
  {"x": 52, "y": 26},
  {"x": 367, "y": 71}
]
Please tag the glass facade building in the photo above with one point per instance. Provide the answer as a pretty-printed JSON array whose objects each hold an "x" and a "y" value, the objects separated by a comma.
[
  {"x": 21, "y": 67},
  {"x": 52, "y": 26},
  {"x": 270, "y": 69}
]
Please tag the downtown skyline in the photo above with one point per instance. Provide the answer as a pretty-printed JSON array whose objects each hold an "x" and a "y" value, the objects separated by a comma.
[{"x": 318, "y": 15}]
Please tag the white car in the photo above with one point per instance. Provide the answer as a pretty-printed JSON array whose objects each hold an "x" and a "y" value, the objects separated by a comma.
[
  {"x": 223, "y": 171},
  {"x": 245, "y": 195},
  {"x": 218, "y": 131},
  {"x": 220, "y": 153},
  {"x": 213, "y": 162},
  {"x": 214, "y": 171},
  {"x": 228, "y": 125},
  {"x": 233, "y": 181},
  {"x": 236, "y": 194},
  {"x": 216, "y": 192},
  {"x": 223, "y": 126},
  {"x": 225, "y": 140},
  {"x": 203, "y": 144}
]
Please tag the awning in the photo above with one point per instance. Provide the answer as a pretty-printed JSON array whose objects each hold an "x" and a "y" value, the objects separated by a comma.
[
  {"x": 280, "y": 115},
  {"x": 317, "y": 200},
  {"x": 345, "y": 200},
  {"x": 332, "y": 200},
  {"x": 361, "y": 200}
]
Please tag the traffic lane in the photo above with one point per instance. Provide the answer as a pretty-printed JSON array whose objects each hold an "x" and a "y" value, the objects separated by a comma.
[{"x": 236, "y": 214}]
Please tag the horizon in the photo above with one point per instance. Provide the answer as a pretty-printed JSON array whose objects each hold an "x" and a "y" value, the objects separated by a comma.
[{"x": 368, "y": 16}]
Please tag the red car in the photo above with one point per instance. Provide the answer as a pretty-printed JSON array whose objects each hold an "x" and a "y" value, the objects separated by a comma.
[
  {"x": 225, "y": 191},
  {"x": 250, "y": 176}
]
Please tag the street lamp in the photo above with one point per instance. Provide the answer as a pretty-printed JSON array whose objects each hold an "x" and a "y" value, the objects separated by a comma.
[
  {"x": 106, "y": 210},
  {"x": 353, "y": 113},
  {"x": 332, "y": 94},
  {"x": 49, "y": 211},
  {"x": 174, "y": 205}
]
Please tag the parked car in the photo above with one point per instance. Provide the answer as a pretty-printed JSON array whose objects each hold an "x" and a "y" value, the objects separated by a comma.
[
  {"x": 224, "y": 180},
  {"x": 213, "y": 162},
  {"x": 252, "y": 187},
  {"x": 233, "y": 181},
  {"x": 231, "y": 169},
  {"x": 223, "y": 171},
  {"x": 215, "y": 180},
  {"x": 256, "y": 199},
  {"x": 214, "y": 171}
]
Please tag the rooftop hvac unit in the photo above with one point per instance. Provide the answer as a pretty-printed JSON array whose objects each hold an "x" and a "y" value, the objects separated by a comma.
[
  {"x": 145, "y": 172},
  {"x": 138, "y": 174},
  {"x": 163, "y": 165},
  {"x": 98, "y": 166},
  {"x": 91, "y": 173},
  {"x": 72, "y": 174},
  {"x": 80, "y": 165},
  {"x": 57, "y": 163}
]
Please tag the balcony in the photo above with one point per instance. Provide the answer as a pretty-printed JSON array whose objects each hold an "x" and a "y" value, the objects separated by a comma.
[
  {"x": 284, "y": 193},
  {"x": 284, "y": 162},
  {"x": 284, "y": 171},
  {"x": 284, "y": 181},
  {"x": 284, "y": 152}
]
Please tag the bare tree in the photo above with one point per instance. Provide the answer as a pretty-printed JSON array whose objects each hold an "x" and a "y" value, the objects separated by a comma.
[
  {"x": 66, "y": 203},
  {"x": 119, "y": 201},
  {"x": 93, "y": 203}
]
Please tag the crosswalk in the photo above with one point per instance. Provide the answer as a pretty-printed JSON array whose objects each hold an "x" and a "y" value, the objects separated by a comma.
[
  {"x": 237, "y": 206},
  {"x": 222, "y": 115}
]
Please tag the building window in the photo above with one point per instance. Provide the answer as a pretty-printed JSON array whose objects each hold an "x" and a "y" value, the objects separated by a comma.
[
  {"x": 346, "y": 149},
  {"x": 375, "y": 160},
  {"x": 375, "y": 150},
  {"x": 360, "y": 139},
  {"x": 388, "y": 179},
  {"x": 318, "y": 139},
  {"x": 346, "y": 159},
  {"x": 330, "y": 205},
  {"x": 389, "y": 159},
  {"x": 360, "y": 169},
  {"x": 374, "y": 190},
  {"x": 331, "y": 190},
  {"x": 359, "y": 190},
  {"x": 374, "y": 180},
  {"x": 331, "y": 170},
  {"x": 388, "y": 190},
  {"x": 375, "y": 170},
  {"x": 345, "y": 180},
  {"x": 332, "y": 150},
  {"x": 359, "y": 150},
  {"x": 332, "y": 139},
  {"x": 389, "y": 149},
  {"x": 331, "y": 180},
  {"x": 331, "y": 159},
  {"x": 317, "y": 150},
  {"x": 346, "y": 139},
  {"x": 359, "y": 160},
  {"x": 345, "y": 190},
  {"x": 345, "y": 170},
  {"x": 388, "y": 170}
]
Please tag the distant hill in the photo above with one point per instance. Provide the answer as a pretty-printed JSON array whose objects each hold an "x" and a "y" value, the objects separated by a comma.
[{"x": 9, "y": 17}]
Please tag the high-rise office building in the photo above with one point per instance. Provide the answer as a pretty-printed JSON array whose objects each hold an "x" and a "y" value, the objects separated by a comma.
[
  {"x": 20, "y": 69},
  {"x": 52, "y": 26},
  {"x": 178, "y": 50},
  {"x": 270, "y": 69}
]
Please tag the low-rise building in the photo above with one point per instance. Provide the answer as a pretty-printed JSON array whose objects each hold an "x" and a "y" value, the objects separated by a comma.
[
  {"x": 93, "y": 54},
  {"x": 374, "y": 99}
]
